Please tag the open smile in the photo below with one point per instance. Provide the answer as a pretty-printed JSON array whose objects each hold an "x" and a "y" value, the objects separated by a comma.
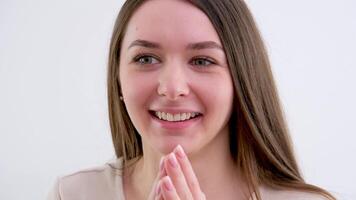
[
  {"x": 177, "y": 117},
  {"x": 175, "y": 121}
]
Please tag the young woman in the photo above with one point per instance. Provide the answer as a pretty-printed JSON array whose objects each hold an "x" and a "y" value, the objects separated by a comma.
[{"x": 194, "y": 110}]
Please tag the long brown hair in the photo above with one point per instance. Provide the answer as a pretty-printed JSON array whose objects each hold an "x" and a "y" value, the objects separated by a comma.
[{"x": 259, "y": 138}]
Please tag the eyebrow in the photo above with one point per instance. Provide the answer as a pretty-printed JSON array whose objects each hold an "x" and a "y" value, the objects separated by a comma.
[{"x": 191, "y": 46}]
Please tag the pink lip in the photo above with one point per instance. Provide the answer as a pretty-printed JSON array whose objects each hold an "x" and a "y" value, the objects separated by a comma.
[{"x": 175, "y": 125}]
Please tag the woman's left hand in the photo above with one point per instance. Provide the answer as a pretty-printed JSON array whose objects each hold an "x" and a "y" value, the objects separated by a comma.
[{"x": 181, "y": 182}]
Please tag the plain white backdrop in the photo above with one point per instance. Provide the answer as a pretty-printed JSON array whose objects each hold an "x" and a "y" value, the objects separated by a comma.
[{"x": 53, "y": 106}]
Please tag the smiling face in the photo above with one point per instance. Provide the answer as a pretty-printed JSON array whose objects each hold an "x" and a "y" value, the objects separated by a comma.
[{"x": 172, "y": 65}]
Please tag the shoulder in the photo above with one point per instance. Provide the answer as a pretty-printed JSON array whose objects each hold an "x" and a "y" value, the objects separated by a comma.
[
  {"x": 268, "y": 193},
  {"x": 100, "y": 182}
]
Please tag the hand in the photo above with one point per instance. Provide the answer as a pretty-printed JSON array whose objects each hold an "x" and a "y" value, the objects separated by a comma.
[
  {"x": 176, "y": 179},
  {"x": 156, "y": 187}
]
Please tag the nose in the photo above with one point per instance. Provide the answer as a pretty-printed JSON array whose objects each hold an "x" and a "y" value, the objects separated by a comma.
[{"x": 173, "y": 82}]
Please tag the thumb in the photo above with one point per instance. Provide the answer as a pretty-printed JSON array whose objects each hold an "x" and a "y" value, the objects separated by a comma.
[{"x": 155, "y": 186}]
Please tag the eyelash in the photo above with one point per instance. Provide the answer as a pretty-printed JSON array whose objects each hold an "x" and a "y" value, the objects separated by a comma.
[{"x": 137, "y": 58}]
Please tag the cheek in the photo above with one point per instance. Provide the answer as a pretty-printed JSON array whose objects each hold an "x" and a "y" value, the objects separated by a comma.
[
  {"x": 135, "y": 86},
  {"x": 216, "y": 93},
  {"x": 137, "y": 89},
  {"x": 214, "y": 88},
  {"x": 135, "y": 82}
]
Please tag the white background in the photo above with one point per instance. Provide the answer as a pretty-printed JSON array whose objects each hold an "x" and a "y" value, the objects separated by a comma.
[{"x": 53, "y": 107}]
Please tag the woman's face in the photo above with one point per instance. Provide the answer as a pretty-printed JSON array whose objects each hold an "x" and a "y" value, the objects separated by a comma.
[{"x": 172, "y": 65}]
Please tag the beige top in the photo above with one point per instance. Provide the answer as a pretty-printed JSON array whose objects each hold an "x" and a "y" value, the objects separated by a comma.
[{"x": 105, "y": 183}]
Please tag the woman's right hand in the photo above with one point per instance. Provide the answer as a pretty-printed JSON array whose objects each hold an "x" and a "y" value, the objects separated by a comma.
[
  {"x": 176, "y": 179},
  {"x": 161, "y": 173}
]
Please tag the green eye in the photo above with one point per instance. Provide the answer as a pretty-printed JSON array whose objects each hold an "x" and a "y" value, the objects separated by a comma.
[
  {"x": 145, "y": 60},
  {"x": 202, "y": 62}
]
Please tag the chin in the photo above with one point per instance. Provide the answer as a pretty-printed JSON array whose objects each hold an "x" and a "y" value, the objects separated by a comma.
[{"x": 167, "y": 146}]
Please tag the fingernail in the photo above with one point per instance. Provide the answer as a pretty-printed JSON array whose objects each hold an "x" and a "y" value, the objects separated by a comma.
[
  {"x": 173, "y": 160},
  {"x": 179, "y": 151},
  {"x": 161, "y": 164},
  {"x": 168, "y": 184}
]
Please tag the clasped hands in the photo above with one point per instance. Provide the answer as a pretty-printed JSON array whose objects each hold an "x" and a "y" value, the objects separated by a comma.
[{"x": 176, "y": 179}]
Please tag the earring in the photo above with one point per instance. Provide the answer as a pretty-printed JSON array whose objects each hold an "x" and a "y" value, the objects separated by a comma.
[{"x": 121, "y": 98}]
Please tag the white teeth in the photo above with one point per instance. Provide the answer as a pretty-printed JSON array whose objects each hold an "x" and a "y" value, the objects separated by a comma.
[
  {"x": 183, "y": 116},
  {"x": 159, "y": 115},
  {"x": 175, "y": 117},
  {"x": 169, "y": 117}
]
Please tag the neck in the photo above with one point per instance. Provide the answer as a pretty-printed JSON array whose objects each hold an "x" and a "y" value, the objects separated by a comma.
[{"x": 218, "y": 179}]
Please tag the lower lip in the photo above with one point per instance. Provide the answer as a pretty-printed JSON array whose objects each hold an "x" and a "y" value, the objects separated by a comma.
[{"x": 176, "y": 125}]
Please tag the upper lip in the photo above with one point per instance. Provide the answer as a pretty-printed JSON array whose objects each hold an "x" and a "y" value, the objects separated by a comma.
[{"x": 174, "y": 110}]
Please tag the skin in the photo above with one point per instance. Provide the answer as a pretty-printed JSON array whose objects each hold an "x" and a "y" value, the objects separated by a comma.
[{"x": 180, "y": 78}]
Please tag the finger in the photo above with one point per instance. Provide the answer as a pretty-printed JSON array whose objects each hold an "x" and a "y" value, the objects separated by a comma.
[
  {"x": 189, "y": 174},
  {"x": 155, "y": 188},
  {"x": 176, "y": 175},
  {"x": 168, "y": 190},
  {"x": 158, "y": 192}
]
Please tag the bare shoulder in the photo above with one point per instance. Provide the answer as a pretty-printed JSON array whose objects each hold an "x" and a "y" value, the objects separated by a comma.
[{"x": 269, "y": 193}]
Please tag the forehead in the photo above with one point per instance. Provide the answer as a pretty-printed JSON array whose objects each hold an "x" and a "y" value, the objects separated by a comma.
[{"x": 172, "y": 23}]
